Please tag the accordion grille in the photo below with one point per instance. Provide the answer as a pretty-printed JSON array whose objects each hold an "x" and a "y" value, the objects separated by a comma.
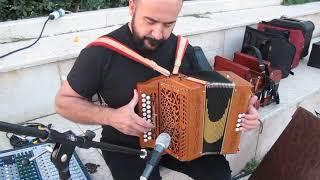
[{"x": 173, "y": 112}]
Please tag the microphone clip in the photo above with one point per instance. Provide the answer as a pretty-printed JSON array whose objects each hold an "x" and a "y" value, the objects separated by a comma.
[
  {"x": 57, "y": 14},
  {"x": 144, "y": 153}
]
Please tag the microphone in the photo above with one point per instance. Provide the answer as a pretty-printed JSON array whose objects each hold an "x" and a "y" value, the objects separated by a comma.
[
  {"x": 162, "y": 142},
  {"x": 57, "y": 14}
]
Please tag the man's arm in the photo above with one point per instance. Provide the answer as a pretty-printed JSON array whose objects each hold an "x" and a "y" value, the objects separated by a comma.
[{"x": 73, "y": 106}]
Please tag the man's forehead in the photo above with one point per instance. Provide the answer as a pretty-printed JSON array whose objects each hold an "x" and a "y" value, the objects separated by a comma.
[
  {"x": 161, "y": 10},
  {"x": 155, "y": 19},
  {"x": 158, "y": 1}
]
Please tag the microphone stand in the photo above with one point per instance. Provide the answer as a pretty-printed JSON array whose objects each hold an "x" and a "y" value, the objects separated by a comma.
[{"x": 65, "y": 144}]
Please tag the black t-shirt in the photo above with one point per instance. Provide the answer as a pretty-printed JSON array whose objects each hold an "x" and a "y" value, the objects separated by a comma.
[{"x": 114, "y": 76}]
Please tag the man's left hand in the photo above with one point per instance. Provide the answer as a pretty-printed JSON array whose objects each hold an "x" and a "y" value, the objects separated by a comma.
[{"x": 250, "y": 120}]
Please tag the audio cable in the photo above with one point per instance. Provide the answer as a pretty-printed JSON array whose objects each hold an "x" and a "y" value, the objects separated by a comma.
[
  {"x": 52, "y": 16},
  {"x": 21, "y": 141}
]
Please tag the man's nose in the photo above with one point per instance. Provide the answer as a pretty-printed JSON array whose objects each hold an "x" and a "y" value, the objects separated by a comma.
[{"x": 157, "y": 32}]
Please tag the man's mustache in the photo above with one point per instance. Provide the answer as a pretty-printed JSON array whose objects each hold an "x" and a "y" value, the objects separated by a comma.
[{"x": 153, "y": 41}]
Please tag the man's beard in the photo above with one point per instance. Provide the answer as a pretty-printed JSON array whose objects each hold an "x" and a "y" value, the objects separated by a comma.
[{"x": 140, "y": 41}]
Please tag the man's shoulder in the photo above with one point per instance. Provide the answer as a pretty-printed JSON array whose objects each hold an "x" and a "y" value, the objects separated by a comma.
[
  {"x": 123, "y": 30},
  {"x": 93, "y": 48},
  {"x": 96, "y": 51}
]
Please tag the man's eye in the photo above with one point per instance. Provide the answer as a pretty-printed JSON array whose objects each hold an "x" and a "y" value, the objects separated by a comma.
[
  {"x": 168, "y": 25},
  {"x": 150, "y": 22}
]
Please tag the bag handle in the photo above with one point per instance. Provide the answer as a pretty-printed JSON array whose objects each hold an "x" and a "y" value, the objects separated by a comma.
[
  {"x": 289, "y": 19},
  {"x": 257, "y": 54}
]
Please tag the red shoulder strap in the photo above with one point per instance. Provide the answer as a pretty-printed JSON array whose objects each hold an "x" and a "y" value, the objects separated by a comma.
[
  {"x": 122, "y": 49},
  {"x": 182, "y": 45}
]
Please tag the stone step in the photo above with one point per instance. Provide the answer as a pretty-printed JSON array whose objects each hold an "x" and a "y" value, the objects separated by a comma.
[
  {"x": 218, "y": 33},
  {"x": 301, "y": 89},
  {"x": 52, "y": 57},
  {"x": 83, "y": 21}
]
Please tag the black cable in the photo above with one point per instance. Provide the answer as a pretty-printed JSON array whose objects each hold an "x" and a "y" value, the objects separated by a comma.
[
  {"x": 20, "y": 141},
  {"x": 241, "y": 176},
  {"x": 45, "y": 23}
]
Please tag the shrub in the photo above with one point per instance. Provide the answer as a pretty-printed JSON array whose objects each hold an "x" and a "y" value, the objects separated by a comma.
[
  {"x": 289, "y": 2},
  {"x": 19, "y": 9}
]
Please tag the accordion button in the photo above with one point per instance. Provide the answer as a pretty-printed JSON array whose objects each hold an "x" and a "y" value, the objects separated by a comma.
[
  {"x": 145, "y": 140},
  {"x": 143, "y": 95},
  {"x": 145, "y": 136},
  {"x": 144, "y": 109},
  {"x": 148, "y": 97},
  {"x": 149, "y": 133},
  {"x": 149, "y": 138},
  {"x": 148, "y": 102},
  {"x": 148, "y": 107},
  {"x": 148, "y": 116},
  {"x": 144, "y": 105},
  {"x": 241, "y": 115},
  {"x": 149, "y": 120},
  {"x": 237, "y": 129},
  {"x": 239, "y": 120},
  {"x": 144, "y": 114},
  {"x": 143, "y": 100},
  {"x": 148, "y": 111},
  {"x": 238, "y": 125}
]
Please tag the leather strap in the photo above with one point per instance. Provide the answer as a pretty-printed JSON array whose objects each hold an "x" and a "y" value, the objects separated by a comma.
[
  {"x": 182, "y": 45},
  {"x": 122, "y": 49}
]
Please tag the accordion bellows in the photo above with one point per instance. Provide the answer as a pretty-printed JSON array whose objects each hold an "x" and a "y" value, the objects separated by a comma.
[{"x": 199, "y": 112}]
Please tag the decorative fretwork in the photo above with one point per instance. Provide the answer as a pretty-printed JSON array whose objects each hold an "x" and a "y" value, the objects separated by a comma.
[{"x": 173, "y": 118}]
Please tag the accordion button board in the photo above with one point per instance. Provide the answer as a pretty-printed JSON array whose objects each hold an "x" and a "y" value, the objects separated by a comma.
[
  {"x": 12, "y": 166},
  {"x": 146, "y": 114}
]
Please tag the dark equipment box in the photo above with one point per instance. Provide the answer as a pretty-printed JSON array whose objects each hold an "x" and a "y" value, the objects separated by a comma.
[{"x": 314, "y": 59}]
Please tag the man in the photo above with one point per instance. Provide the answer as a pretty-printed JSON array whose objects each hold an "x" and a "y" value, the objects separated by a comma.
[{"x": 98, "y": 69}]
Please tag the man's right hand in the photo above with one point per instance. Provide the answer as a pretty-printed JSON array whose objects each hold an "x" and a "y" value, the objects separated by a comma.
[{"x": 127, "y": 121}]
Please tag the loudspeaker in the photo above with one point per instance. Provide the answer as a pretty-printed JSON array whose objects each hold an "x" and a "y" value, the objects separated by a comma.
[
  {"x": 296, "y": 153},
  {"x": 314, "y": 59}
]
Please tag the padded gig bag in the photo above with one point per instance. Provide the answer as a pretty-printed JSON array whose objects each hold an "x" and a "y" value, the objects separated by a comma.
[{"x": 273, "y": 47}]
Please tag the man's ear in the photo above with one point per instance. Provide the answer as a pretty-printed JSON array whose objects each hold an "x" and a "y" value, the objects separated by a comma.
[{"x": 132, "y": 7}]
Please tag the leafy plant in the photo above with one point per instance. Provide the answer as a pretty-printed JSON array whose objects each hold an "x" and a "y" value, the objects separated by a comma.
[
  {"x": 251, "y": 166},
  {"x": 19, "y": 9},
  {"x": 248, "y": 169},
  {"x": 290, "y": 2}
]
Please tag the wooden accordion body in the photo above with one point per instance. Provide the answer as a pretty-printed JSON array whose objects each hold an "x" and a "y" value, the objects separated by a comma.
[{"x": 200, "y": 113}]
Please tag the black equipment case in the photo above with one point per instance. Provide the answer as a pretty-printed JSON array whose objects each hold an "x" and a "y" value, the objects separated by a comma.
[
  {"x": 273, "y": 47},
  {"x": 307, "y": 28},
  {"x": 314, "y": 59},
  {"x": 201, "y": 59}
]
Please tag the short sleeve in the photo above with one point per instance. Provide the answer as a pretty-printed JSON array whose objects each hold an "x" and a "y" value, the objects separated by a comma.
[{"x": 86, "y": 74}]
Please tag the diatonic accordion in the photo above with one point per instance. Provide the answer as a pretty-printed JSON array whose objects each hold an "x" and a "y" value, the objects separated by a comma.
[{"x": 199, "y": 112}]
